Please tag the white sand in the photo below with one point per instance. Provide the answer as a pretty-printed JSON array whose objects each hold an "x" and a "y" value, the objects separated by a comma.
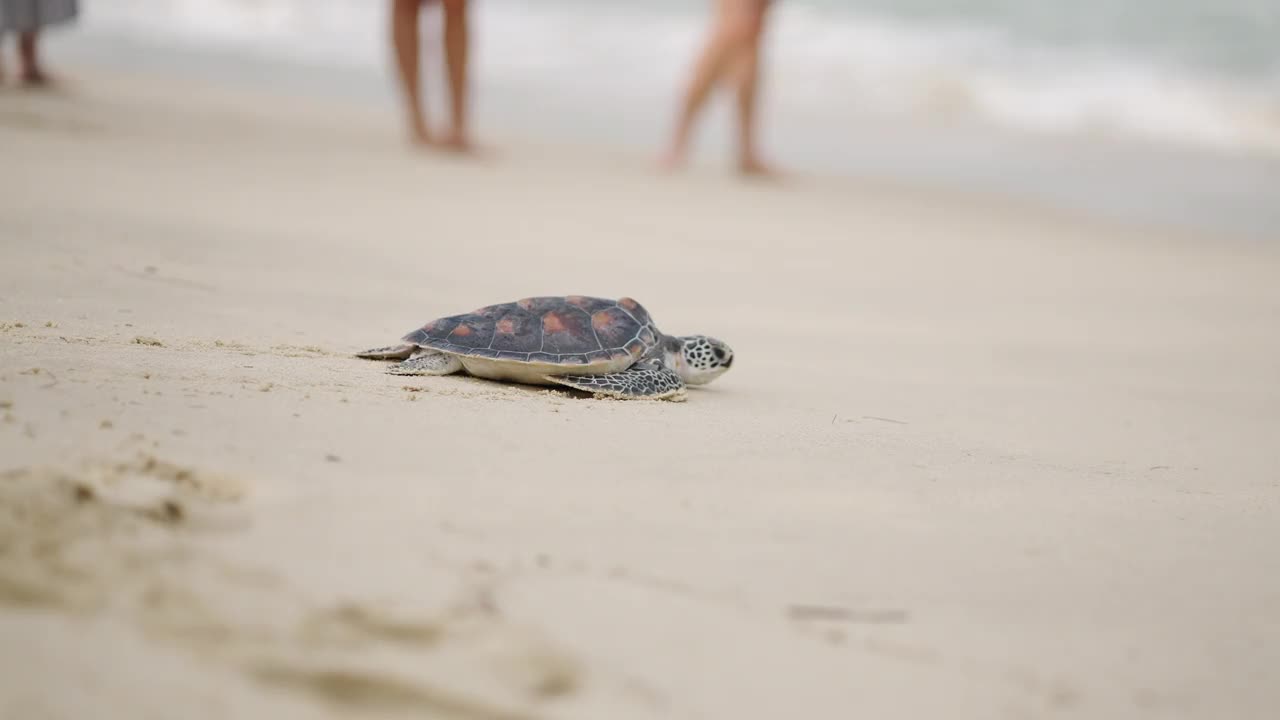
[{"x": 972, "y": 460}]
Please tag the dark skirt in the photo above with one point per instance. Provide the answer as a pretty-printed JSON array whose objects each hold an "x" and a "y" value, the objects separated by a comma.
[{"x": 28, "y": 15}]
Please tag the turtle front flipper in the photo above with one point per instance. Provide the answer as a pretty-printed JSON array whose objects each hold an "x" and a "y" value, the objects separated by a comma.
[
  {"x": 639, "y": 382},
  {"x": 391, "y": 352},
  {"x": 429, "y": 363}
]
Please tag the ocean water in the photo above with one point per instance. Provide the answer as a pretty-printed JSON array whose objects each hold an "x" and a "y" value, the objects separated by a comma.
[{"x": 988, "y": 93}]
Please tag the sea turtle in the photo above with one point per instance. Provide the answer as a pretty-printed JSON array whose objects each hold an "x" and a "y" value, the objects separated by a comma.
[{"x": 602, "y": 346}]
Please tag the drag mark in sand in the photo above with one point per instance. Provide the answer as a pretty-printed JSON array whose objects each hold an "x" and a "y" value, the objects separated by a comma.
[
  {"x": 833, "y": 613},
  {"x": 151, "y": 273},
  {"x": 877, "y": 418}
]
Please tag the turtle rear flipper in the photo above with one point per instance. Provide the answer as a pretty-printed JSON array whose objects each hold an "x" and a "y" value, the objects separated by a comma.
[
  {"x": 430, "y": 363},
  {"x": 647, "y": 382},
  {"x": 391, "y": 352}
]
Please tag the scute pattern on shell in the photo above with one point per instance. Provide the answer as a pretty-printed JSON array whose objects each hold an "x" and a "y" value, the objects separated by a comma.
[{"x": 569, "y": 330}]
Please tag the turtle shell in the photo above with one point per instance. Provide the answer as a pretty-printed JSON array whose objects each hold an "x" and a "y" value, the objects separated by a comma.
[{"x": 568, "y": 331}]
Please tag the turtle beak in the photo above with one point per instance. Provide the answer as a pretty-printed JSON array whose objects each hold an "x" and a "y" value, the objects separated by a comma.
[{"x": 724, "y": 356}]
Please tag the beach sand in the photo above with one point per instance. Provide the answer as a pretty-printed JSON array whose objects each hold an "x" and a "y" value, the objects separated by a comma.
[{"x": 973, "y": 459}]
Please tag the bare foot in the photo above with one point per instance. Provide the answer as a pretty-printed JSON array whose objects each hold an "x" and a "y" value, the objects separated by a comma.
[
  {"x": 419, "y": 134},
  {"x": 755, "y": 168},
  {"x": 458, "y": 143},
  {"x": 36, "y": 78}
]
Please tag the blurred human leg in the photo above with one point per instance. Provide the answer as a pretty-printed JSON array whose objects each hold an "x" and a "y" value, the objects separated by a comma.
[
  {"x": 732, "y": 47},
  {"x": 405, "y": 40},
  {"x": 456, "y": 47},
  {"x": 747, "y": 81}
]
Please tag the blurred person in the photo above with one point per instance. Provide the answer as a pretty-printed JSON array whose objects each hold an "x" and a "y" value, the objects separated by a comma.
[
  {"x": 731, "y": 54},
  {"x": 26, "y": 19},
  {"x": 405, "y": 22}
]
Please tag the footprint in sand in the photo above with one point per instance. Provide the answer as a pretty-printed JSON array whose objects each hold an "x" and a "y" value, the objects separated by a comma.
[
  {"x": 360, "y": 691},
  {"x": 65, "y": 534},
  {"x": 105, "y": 538}
]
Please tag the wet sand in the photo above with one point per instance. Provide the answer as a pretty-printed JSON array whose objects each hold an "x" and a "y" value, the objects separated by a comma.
[{"x": 973, "y": 459}]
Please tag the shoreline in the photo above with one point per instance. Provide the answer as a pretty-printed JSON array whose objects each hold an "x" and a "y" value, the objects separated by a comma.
[{"x": 1135, "y": 184}]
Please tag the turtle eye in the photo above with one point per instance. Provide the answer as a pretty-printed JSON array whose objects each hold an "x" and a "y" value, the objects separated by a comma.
[{"x": 719, "y": 354}]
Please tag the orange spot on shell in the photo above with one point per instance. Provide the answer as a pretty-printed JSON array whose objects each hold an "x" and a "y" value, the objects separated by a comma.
[
  {"x": 462, "y": 331},
  {"x": 601, "y": 320},
  {"x": 636, "y": 349},
  {"x": 628, "y": 303},
  {"x": 577, "y": 300},
  {"x": 505, "y": 325},
  {"x": 552, "y": 323},
  {"x": 525, "y": 304}
]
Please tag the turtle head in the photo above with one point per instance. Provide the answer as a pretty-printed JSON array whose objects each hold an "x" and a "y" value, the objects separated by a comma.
[{"x": 702, "y": 359}]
